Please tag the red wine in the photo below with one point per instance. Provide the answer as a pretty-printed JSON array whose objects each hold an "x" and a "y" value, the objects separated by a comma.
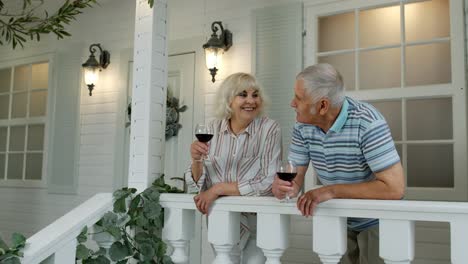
[
  {"x": 204, "y": 137},
  {"x": 287, "y": 176}
]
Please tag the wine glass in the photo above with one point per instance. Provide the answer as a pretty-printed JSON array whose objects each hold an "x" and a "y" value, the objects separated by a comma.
[
  {"x": 287, "y": 171},
  {"x": 204, "y": 134}
]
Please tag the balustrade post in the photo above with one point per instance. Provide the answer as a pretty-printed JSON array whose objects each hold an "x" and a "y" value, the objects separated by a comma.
[
  {"x": 178, "y": 231},
  {"x": 223, "y": 233},
  {"x": 329, "y": 238},
  {"x": 272, "y": 235},
  {"x": 458, "y": 235},
  {"x": 67, "y": 253},
  {"x": 396, "y": 241}
]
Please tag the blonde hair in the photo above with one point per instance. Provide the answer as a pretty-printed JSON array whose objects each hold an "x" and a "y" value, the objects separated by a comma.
[{"x": 230, "y": 87}]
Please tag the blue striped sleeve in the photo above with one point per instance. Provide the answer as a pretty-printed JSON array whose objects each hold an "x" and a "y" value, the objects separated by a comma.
[
  {"x": 378, "y": 147},
  {"x": 298, "y": 151}
]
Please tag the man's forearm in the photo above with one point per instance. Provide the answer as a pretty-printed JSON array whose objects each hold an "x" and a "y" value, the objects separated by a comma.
[{"x": 375, "y": 189}]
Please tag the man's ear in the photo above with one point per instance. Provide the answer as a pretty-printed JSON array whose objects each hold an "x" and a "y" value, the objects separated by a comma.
[{"x": 324, "y": 106}]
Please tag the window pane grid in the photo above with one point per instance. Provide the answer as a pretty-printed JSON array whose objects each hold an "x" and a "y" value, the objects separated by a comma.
[
  {"x": 358, "y": 46},
  {"x": 17, "y": 164}
]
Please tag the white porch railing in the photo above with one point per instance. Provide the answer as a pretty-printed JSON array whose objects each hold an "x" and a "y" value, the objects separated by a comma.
[
  {"x": 329, "y": 226},
  {"x": 58, "y": 240}
]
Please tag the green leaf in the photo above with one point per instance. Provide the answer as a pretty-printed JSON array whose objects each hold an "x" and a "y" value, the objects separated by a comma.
[
  {"x": 82, "y": 252},
  {"x": 83, "y": 236},
  {"x": 152, "y": 194},
  {"x": 123, "y": 261},
  {"x": 134, "y": 203},
  {"x": 115, "y": 232},
  {"x": 118, "y": 251},
  {"x": 101, "y": 251},
  {"x": 98, "y": 260},
  {"x": 152, "y": 210},
  {"x": 123, "y": 220},
  {"x": 108, "y": 220},
  {"x": 120, "y": 205},
  {"x": 141, "y": 237},
  {"x": 147, "y": 251},
  {"x": 167, "y": 260},
  {"x": 18, "y": 240},
  {"x": 3, "y": 245},
  {"x": 13, "y": 260}
]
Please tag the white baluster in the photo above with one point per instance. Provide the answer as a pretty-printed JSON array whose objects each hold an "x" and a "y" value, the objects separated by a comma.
[
  {"x": 396, "y": 241},
  {"x": 329, "y": 238},
  {"x": 179, "y": 230},
  {"x": 67, "y": 253},
  {"x": 272, "y": 235},
  {"x": 223, "y": 233},
  {"x": 458, "y": 235}
]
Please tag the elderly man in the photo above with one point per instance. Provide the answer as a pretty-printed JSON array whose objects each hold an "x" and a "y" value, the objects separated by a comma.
[{"x": 351, "y": 149}]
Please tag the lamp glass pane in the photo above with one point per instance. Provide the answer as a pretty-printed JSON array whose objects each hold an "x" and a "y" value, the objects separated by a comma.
[
  {"x": 91, "y": 75},
  {"x": 213, "y": 57}
]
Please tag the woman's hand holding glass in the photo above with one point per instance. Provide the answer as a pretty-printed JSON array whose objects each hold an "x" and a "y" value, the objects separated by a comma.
[{"x": 199, "y": 148}]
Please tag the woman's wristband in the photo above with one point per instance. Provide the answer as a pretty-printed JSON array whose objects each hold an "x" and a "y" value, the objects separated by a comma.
[{"x": 197, "y": 160}]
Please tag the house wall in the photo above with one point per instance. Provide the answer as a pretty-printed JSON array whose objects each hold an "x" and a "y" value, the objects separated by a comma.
[
  {"x": 27, "y": 210},
  {"x": 194, "y": 18}
]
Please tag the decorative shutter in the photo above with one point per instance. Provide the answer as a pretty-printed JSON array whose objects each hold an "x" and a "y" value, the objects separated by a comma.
[
  {"x": 278, "y": 52},
  {"x": 64, "y": 126}
]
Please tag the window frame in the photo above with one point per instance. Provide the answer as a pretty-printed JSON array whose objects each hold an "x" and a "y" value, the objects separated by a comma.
[
  {"x": 46, "y": 120},
  {"x": 455, "y": 90}
]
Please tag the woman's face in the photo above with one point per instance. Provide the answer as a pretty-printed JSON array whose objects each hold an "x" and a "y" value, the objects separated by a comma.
[{"x": 246, "y": 105}]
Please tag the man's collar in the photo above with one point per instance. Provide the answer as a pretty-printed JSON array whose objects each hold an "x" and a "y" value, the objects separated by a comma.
[{"x": 342, "y": 117}]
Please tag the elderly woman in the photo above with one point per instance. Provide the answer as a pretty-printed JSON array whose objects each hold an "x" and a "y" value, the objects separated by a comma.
[{"x": 242, "y": 157}]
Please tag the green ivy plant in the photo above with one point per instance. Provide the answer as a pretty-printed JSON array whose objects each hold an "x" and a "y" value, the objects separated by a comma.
[
  {"x": 11, "y": 254},
  {"x": 17, "y": 26},
  {"x": 135, "y": 224}
]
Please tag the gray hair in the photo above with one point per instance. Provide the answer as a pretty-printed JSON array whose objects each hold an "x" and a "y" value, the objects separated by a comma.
[
  {"x": 323, "y": 81},
  {"x": 230, "y": 87}
]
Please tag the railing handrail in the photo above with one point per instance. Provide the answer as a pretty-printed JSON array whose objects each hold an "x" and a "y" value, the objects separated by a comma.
[
  {"x": 388, "y": 209},
  {"x": 48, "y": 240}
]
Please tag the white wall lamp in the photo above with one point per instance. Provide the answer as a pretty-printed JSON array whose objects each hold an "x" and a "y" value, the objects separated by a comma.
[
  {"x": 216, "y": 46},
  {"x": 92, "y": 67}
]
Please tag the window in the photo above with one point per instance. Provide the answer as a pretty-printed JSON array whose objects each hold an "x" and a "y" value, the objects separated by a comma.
[
  {"x": 407, "y": 59},
  {"x": 24, "y": 91}
]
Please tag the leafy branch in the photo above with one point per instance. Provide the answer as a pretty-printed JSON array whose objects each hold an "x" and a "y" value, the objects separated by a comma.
[
  {"x": 140, "y": 214},
  {"x": 11, "y": 255},
  {"x": 16, "y": 28}
]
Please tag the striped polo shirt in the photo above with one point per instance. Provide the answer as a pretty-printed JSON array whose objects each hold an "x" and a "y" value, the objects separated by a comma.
[{"x": 358, "y": 144}]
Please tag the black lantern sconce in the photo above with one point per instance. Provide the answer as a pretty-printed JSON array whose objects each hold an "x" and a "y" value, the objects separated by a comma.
[
  {"x": 92, "y": 67},
  {"x": 216, "y": 46}
]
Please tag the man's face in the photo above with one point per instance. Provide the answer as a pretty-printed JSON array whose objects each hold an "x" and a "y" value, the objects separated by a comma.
[{"x": 302, "y": 104}]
